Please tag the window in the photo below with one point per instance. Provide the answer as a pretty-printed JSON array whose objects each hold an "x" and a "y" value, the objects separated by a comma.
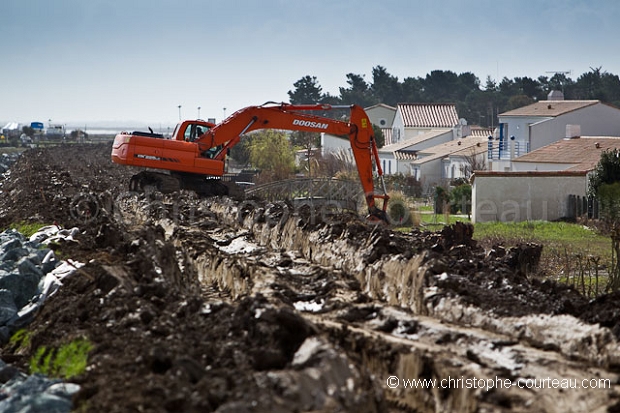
[{"x": 194, "y": 131}]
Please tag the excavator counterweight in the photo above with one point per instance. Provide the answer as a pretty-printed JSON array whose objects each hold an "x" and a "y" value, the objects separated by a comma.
[{"x": 197, "y": 150}]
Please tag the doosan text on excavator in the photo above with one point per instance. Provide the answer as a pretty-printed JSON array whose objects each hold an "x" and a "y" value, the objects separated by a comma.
[{"x": 196, "y": 153}]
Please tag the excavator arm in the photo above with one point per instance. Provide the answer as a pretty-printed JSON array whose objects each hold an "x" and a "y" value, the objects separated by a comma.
[
  {"x": 204, "y": 153},
  {"x": 296, "y": 117}
]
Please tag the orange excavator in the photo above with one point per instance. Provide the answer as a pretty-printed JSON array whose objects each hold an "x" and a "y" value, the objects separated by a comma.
[{"x": 194, "y": 157}]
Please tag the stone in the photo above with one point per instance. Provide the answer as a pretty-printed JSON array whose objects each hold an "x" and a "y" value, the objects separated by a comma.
[{"x": 8, "y": 309}]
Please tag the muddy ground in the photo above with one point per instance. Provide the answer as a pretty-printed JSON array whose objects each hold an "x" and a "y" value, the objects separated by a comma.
[{"x": 198, "y": 305}]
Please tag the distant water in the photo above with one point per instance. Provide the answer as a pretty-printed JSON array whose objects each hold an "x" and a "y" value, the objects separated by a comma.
[{"x": 115, "y": 130}]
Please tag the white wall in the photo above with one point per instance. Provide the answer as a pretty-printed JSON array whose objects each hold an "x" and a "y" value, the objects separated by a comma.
[
  {"x": 540, "y": 166},
  {"x": 332, "y": 143},
  {"x": 596, "y": 120},
  {"x": 398, "y": 128},
  {"x": 392, "y": 166},
  {"x": 381, "y": 113},
  {"x": 525, "y": 196},
  {"x": 434, "y": 141}
]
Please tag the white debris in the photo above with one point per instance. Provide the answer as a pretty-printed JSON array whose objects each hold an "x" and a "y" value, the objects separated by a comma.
[
  {"x": 239, "y": 246},
  {"x": 309, "y": 306}
]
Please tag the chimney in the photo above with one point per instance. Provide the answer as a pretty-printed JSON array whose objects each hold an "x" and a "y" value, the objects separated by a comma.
[
  {"x": 573, "y": 131},
  {"x": 555, "y": 95}
]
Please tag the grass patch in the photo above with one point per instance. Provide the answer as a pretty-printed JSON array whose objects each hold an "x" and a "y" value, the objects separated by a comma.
[
  {"x": 431, "y": 222},
  {"x": 558, "y": 237},
  {"x": 11, "y": 149},
  {"x": 68, "y": 361},
  {"x": 573, "y": 254},
  {"x": 27, "y": 229},
  {"x": 20, "y": 339}
]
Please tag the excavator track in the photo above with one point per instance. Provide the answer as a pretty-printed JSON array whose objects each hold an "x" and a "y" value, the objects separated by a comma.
[
  {"x": 172, "y": 182},
  {"x": 148, "y": 180}
]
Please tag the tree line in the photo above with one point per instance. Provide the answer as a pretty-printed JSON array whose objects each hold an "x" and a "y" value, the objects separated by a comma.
[{"x": 479, "y": 104}]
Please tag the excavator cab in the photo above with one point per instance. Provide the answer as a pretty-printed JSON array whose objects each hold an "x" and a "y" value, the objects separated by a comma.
[{"x": 194, "y": 131}]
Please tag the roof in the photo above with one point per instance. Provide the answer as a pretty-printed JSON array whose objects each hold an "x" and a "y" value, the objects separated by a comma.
[
  {"x": 387, "y": 135},
  {"x": 584, "y": 152},
  {"x": 380, "y": 105},
  {"x": 403, "y": 145},
  {"x": 550, "y": 108},
  {"x": 460, "y": 147},
  {"x": 480, "y": 132},
  {"x": 526, "y": 174},
  {"x": 429, "y": 115},
  {"x": 11, "y": 126}
]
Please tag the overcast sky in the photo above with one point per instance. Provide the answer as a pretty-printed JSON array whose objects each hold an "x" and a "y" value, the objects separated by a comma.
[{"x": 136, "y": 61}]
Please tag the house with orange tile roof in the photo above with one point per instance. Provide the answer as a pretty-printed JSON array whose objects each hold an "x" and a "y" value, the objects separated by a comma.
[
  {"x": 419, "y": 126},
  {"x": 541, "y": 182},
  {"x": 450, "y": 160},
  {"x": 571, "y": 154},
  {"x": 414, "y": 119},
  {"x": 531, "y": 127}
]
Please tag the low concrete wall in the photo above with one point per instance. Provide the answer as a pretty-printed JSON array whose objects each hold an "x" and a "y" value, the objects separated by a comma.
[{"x": 524, "y": 196}]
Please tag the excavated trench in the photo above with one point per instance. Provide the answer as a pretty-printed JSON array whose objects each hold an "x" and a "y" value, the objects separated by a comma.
[{"x": 389, "y": 321}]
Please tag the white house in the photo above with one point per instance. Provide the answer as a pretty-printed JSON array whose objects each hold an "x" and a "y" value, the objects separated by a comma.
[
  {"x": 335, "y": 144},
  {"x": 539, "y": 186},
  {"x": 533, "y": 126},
  {"x": 450, "y": 160},
  {"x": 397, "y": 157},
  {"x": 413, "y": 119},
  {"x": 574, "y": 154},
  {"x": 381, "y": 115}
]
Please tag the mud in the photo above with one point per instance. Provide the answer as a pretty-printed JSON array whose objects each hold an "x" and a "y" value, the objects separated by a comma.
[{"x": 211, "y": 304}]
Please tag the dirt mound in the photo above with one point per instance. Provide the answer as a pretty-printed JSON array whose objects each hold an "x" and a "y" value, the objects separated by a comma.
[
  {"x": 63, "y": 184},
  {"x": 198, "y": 305}
]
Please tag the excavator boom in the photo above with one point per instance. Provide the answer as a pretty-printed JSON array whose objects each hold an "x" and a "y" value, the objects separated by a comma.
[{"x": 199, "y": 148}]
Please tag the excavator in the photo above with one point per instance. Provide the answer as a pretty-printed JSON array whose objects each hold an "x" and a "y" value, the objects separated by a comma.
[{"x": 194, "y": 157}]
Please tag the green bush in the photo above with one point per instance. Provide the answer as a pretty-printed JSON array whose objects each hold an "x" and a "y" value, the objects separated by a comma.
[
  {"x": 460, "y": 199},
  {"x": 398, "y": 210},
  {"x": 442, "y": 197},
  {"x": 609, "y": 198}
]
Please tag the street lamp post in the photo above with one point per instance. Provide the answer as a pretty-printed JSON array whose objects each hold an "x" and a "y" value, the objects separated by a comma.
[
  {"x": 198, "y": 113},
  {"x": 179, "y": 112}
]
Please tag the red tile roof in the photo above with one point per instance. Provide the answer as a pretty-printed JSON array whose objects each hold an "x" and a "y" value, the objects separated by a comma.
[
  {"x": 428, "y": 115},
  {"x": 550, "y": 108},
  {"x": 478, "y": 131},
  {"x": 471, "y": 145},
  {"x": 584, "y": 152},
  {"x": 387, "y": 135}
]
